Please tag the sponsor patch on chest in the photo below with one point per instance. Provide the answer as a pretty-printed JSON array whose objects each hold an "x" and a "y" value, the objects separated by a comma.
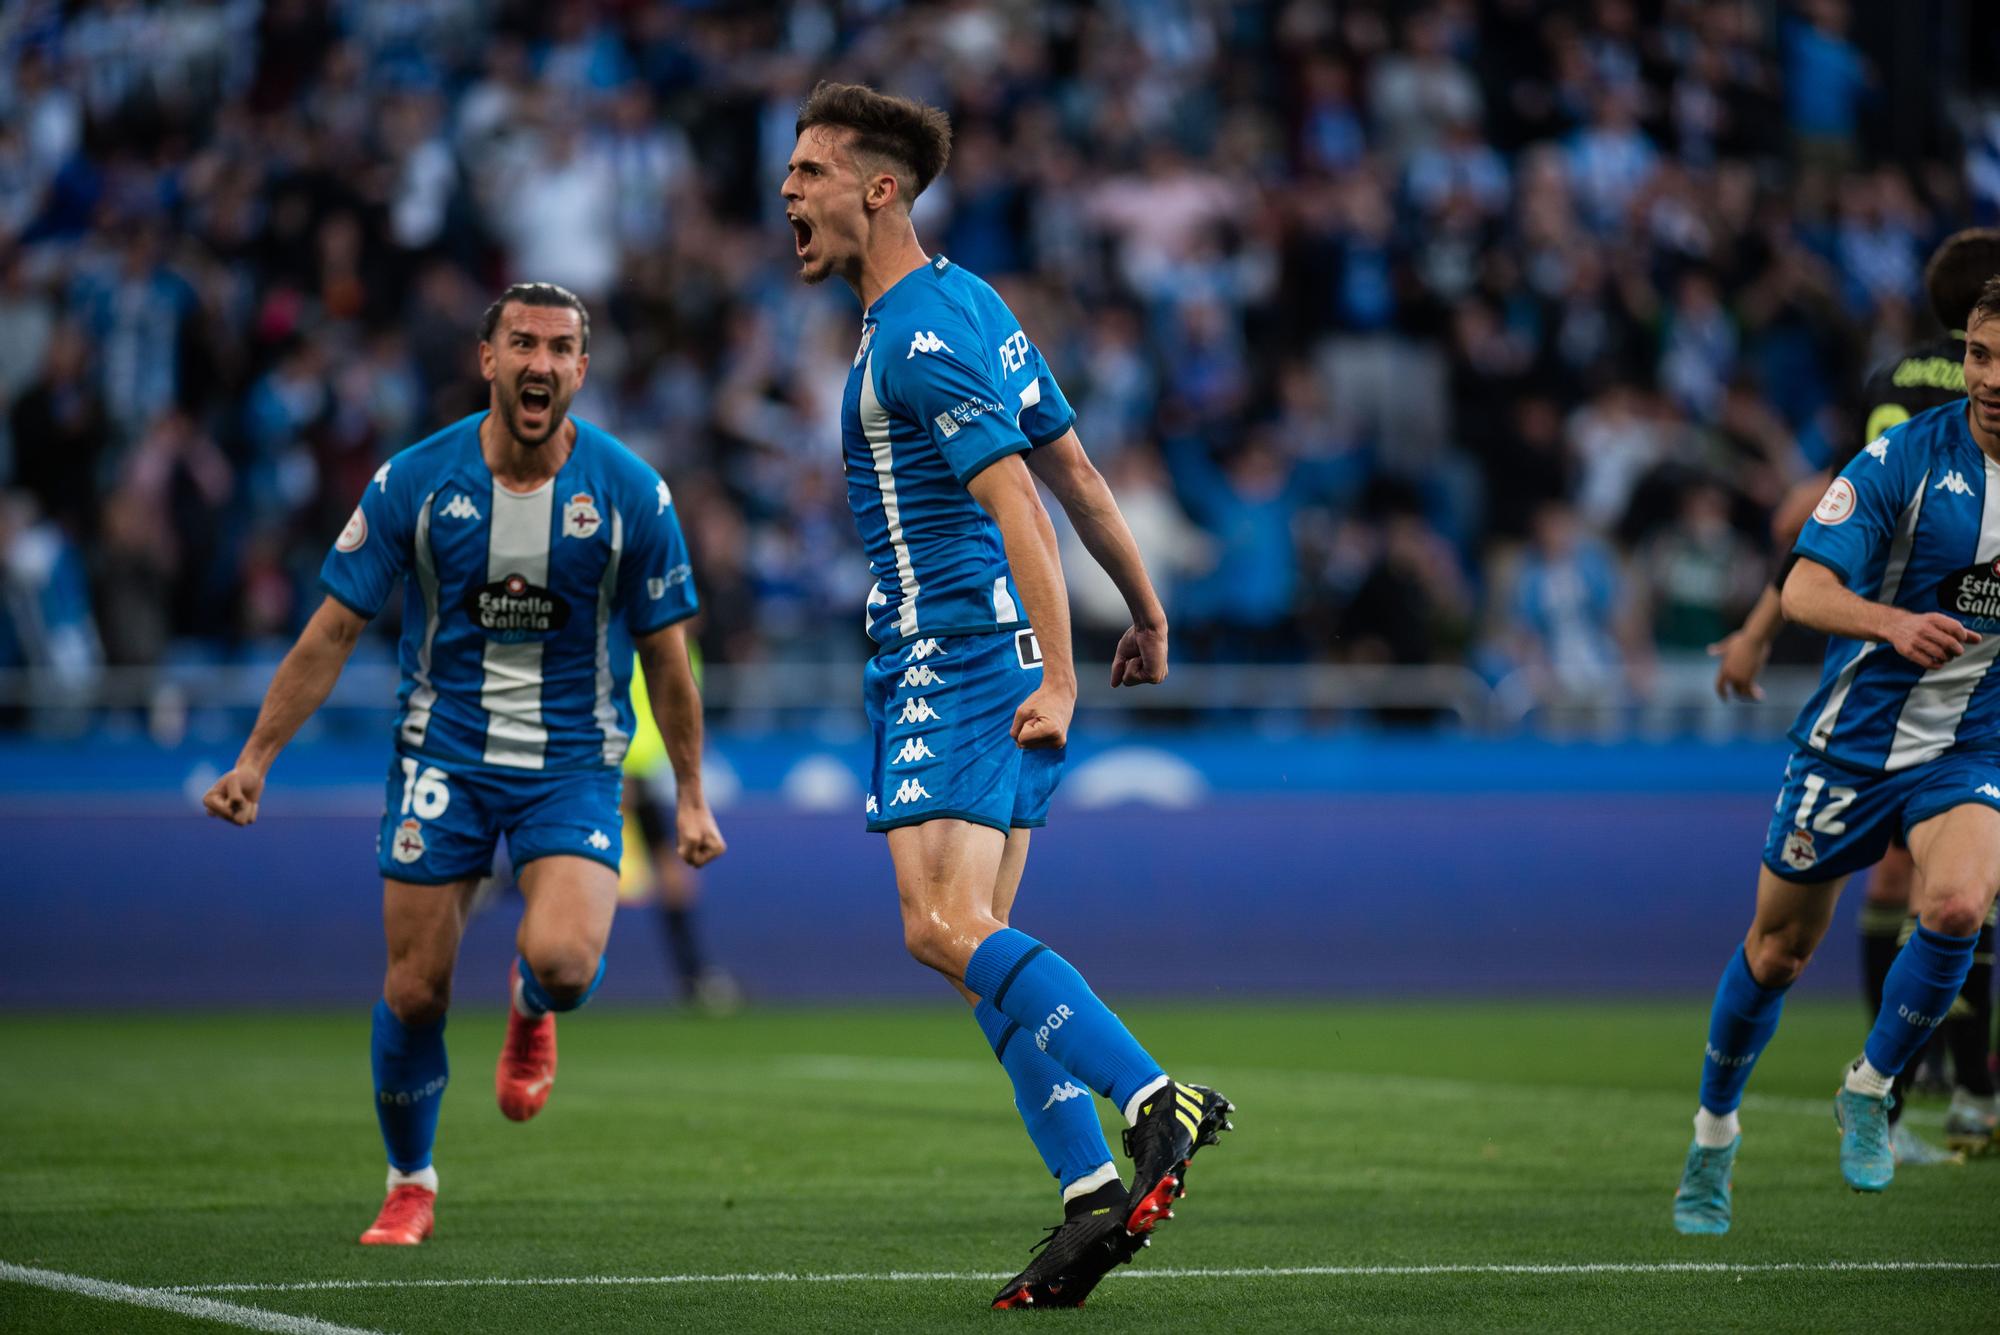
[{"x": 513, "y": 609}]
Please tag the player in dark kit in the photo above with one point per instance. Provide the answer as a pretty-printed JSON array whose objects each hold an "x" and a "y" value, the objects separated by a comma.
[
  {"x": 949, "y": 420},
  {"x": 1927, "y": 375}
]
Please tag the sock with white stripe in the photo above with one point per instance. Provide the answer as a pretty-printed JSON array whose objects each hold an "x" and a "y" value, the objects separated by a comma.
[
  {"x": 1059, "y": 1014},
  {"x": 1061, "y": 1115}
]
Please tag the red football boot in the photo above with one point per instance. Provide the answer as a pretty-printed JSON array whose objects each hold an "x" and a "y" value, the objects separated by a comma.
[
  {"x": 527, "y": 1069},
  {"x": 406, "y": 1219}
]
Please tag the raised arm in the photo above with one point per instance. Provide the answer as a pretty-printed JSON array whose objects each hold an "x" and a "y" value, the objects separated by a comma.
[
  {"x": 1815, "y": 597},
  {"x": 1005, "y": 491},
  {"x": 301, "y": 686},
  {"x": 1079, "y": 488},
  {"x": 676, "y": 700}
]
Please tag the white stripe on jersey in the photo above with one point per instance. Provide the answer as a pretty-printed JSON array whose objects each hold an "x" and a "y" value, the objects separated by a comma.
[
  {"x": 875, "y": 427},
  {"x": 1892, "y": 580},
  {"x": 423, "y": 696},
  {"x": 1003, "y": 602},
  {"x": 615, "y": 740},
  {"x": 510, "y": 689},
  {"x": 1929, "y": 722}
]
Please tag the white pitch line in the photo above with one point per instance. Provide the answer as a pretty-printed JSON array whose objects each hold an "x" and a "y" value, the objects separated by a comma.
[
  {"x": 1247, "y": 1272},
  {"x": 168, "y": 1300}
]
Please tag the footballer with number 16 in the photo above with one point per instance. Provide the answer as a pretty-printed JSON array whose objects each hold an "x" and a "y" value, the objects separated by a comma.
[{"x": 535, "y": 553}]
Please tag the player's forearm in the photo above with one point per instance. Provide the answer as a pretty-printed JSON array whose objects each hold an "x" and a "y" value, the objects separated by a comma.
[
  {"x": 1766, "y": 617},
  {"x": 303, "y": 681},
  {"x": 1093, "y": 512},
  {"x": 1815, "y": 598},
  {"x": 676, "y": 700},
  {"x": 1030, "y": 541}
]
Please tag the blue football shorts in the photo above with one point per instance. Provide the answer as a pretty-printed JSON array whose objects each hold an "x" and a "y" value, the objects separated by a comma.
[
  {"x": 942, "y": 714},
  {"x": 439, "y": 826},
  {"x": 1833, "y": 820}
]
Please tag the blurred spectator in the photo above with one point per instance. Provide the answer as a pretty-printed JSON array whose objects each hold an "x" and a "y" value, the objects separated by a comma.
[{"x": 1568, "y": 625}]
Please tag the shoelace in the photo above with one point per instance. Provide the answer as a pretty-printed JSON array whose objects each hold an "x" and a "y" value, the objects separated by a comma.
[{"x": 1048, "y": 1237}]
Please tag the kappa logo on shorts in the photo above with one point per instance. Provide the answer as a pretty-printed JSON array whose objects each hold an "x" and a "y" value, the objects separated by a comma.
[
  {"x": 871, "y": 809},
  {"x": 914, "y": 748},
  {"x": 408, "y": 845},
  {"x": 923, "y": 649},
  {"x": 917, "y": 711},
  {"x": 911, "y": 790},
  {"x": 1988, "y": 790},
  {"x": 599, "y": 840},
  {"x": 1798, "y": 852},
  {"x": 922, "y": 675}
]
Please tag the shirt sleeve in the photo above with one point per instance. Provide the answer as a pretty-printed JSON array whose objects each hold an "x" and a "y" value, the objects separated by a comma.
[
  {"x": 1854, "y": 520},
  {"x": 655, "y": 578},
  {"x": 373, "y": 551},
  {"x": 938, "y": 383},
  {"x": 1045, "y": 413}
]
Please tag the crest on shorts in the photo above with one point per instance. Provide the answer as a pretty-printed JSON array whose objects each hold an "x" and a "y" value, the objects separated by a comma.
[
  {"x": 408, "y": 844},
  {"x": 1798, "y": 852},
  {"x": 580, "y": 517}
]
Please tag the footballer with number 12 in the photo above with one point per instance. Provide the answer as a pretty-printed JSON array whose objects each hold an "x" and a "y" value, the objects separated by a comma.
[
  {"x": 536, "y": 553},
  {"x": 949, "y": 418}
]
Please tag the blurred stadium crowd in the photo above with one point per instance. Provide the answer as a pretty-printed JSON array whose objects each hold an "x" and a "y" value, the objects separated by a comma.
[{"x": 1480, "y": 333}]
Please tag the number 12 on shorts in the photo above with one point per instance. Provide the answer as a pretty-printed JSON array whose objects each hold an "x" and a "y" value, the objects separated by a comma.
[
  {"x": 425, "y": 794},
  {"x": 1827, "y": 822}
]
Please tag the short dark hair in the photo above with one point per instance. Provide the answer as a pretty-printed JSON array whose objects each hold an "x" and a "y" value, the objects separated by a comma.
[
  {"x": 1987, "y": 307},
  {"x": 534, "y": 294},
  {"x": 913, "y": 135},
  {"x": 1957, "y": 273}
]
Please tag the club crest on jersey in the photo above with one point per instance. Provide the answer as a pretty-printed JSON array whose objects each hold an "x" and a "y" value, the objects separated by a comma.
[
  {"x": 1973, "y": 595},
  {"x": 354, "y": 534},
  {"x": 580, "y": 517},
  {"x": 1798, "y": 852},
  {"x": 408, "y": 844},
  {"x": 511, "y": 610},
  {"x": 1837, "y": 504}
]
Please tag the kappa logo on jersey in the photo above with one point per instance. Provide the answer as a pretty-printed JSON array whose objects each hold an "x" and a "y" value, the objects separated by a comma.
[
  {"x": 580, "y": 517},
  {"x": 381, "y": 478},
  {"x": 1837, "y": 504},
  {"x": 599, "y": 840},
  {"x": 946, "y": 425},
  {"x": 511, "y": 610},
  {"x": 910, "y": 790},
  {"x": 1878, "y": 449},
  {"x": 915, "y": 748},
  {"x": 408, "y": 844},
  {"x": 1798, "y": 852},
  {"x": 354, "y": 534},
  {"x": 1988, "y": 790},
  {"x": 926, "y": 341},
  {"x": 666, "y": 496},
  {"x": 1063, "y": 1093},
  {"x": 1973, "y": 593},
  {"x": 460, "y": 507},
  {"x": 1955, "y": 483},
  {"x": 922, "y": 675},
  {"x": 917, "y": 711},
  {"x": 923, "y": 649}
]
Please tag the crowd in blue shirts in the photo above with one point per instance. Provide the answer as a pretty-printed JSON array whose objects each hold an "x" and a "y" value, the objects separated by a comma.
[{"x": 1481, "y": 331}]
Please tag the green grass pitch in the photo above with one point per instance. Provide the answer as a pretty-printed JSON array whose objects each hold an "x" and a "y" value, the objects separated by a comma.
[{"x": 1440, "y": 1141}]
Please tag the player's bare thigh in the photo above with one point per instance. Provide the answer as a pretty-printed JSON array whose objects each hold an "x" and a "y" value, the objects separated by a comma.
[
  {"x": 570, "y": 904},
  {"x": 1790, "y": 922},
  {"x": 423, "y": 924},
  {"x": 1957, "y": 854},
  {"x": 947, "y": 872},
  {"x": 1889, "y": 880}
]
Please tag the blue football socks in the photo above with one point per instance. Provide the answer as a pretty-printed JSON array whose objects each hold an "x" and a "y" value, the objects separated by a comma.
[
  {"x": 1920, "y": 988},
  {"x": 410, "y": 1076},
  {"x": 535, "y": 998},
  {"x": 1061, "y": 1116},
  {"x": 1059, "y": 1014},
  {"x": 1741, "y": 1024}
]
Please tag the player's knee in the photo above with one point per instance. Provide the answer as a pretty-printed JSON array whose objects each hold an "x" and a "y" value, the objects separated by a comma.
[
  {"x": 566, "y": 974},
  {"x": 1955, "y": 910},
  {"x": 1776, "y": 960},
  {"x": 416, "y": 998}
]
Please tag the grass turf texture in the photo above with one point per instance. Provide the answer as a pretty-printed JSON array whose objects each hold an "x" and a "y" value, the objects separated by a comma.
[{"x": 228, "y": 1149}]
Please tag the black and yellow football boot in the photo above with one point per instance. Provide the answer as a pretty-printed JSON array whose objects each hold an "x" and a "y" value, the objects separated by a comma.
[{"x": 1174, "y": 1122}]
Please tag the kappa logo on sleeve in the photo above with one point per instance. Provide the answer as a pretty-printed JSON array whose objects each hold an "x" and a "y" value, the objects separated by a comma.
[
  {"x": 1878, "y": 449},
  {"x": 666, "y": 496},
  {"x": 926, "y": 341},
  {"x": 381, "y": 478}
]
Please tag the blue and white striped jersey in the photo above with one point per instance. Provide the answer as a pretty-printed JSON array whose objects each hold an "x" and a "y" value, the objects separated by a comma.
[
  {"x": 1913, "y": 522},
  {"x": 519, "y": 608},
  {"x": 943, "y": 384}
]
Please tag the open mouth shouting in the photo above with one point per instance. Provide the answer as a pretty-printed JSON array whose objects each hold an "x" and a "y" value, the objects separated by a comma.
[
  {"x": 537, "y": 401},
  {"x": 802, "y": 234}
]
